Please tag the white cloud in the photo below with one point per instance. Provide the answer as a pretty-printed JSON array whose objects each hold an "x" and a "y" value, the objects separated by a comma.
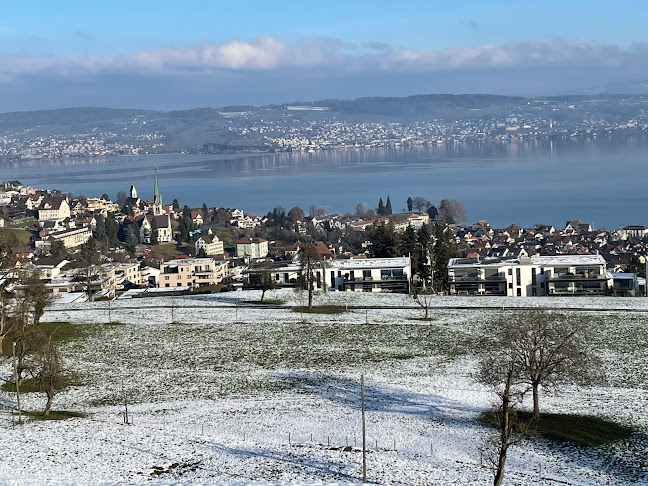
[{"x": 267, "y": 53}]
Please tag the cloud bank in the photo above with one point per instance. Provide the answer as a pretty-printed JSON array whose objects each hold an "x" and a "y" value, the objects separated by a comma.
[
  {"x": 269, "y": 70},
  {"x": 267, "y": 53}
]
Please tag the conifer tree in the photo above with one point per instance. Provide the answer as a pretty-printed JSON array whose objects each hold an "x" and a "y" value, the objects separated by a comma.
[
  {"x": 381, "y": 207},
  {"x": 388, "y": 207}
]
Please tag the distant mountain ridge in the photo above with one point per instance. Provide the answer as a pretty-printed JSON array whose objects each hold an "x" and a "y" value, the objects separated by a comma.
[{"x": 416, "y": 106}]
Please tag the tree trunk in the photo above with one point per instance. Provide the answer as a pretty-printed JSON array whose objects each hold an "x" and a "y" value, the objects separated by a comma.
[
  {"x": 48, "y": 405},
  {"x": 262, "y": 294},
  {"x": 536, "y": 406},
  {"x": 310, "y": 296},
  {"x": 505, "y": 430}
]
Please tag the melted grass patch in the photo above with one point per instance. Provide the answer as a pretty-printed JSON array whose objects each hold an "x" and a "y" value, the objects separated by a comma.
[
  {"x": 320, "y": 309},
  {"x": 580, "y": 430},
  {"x": 30, "y": 385},
  {"x": 267, "y": 302},
  {"x": 54, "y": 415},
  {"x": 65, "y": 331}
]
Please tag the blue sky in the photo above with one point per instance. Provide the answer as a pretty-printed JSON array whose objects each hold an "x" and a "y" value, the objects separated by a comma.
[{"x": 118, "y": 53}]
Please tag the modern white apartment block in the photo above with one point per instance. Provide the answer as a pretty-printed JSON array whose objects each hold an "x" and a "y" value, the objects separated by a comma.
[
  {"x": 353, "y": 275},
  {"x": 530, "y": 276}
]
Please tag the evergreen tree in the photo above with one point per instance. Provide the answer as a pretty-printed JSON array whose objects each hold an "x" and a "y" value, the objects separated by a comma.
[
  {"x": 408, "y": 246},
  {"x": 99, "y": 232},
  {"x": 154, "y": 231},
  {"x": 444, "y": 249},
  {"x": 410, "y": 204},
  {"x": 384, "y": 240},
  {"x": 424, "y": 269},
  {"x": 112, "y": 228},
  {"x": 131, "y": 238},
  {"x": 58, "y": 250},
  {"x": 205, "y": 213},
  {"x": 381, "y": 207},
  {"x": 388, "y": 207},
  {"x": 176, "y": 205}
]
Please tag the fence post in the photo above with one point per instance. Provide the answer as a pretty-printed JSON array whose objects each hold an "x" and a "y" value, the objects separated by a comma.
[{"x": 364, "y": 435}]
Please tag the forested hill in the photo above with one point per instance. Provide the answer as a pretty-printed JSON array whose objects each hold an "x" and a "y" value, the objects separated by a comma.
[
  {"x": 67, "y": 117},
  {"x": 403, "y": 109},
  {"x": 421, "y": 105}
]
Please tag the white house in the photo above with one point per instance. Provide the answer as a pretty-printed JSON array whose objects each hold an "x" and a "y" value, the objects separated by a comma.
[
  {"x": 211, "y": 244},
  {"x": 55, "y": 207},
  {"x": 251, "y": 247},
  {"x": 529, "y": 276}
]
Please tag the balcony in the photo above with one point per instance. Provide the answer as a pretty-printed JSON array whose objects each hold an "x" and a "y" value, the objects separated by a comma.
[
  {"x": 577, "y": 276},
  {"x": 476, "y": 278}
]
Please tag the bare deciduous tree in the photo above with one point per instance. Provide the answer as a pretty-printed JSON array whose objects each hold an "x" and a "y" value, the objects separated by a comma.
[
  {"x": 265, "y": 279},
  {"x": 308, "y": 258},
  {"x": 46, "y": 368},
  {"x": 419, "y": 203},
  {"x": 90, "y": 270},
  {"x": 452, "y": 211},
  {"x": 500, "y": 372},
  {"x": 550, "y": 349}
]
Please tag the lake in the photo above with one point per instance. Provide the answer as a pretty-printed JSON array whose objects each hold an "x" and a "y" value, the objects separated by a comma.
[{"x": 601, "y": 181}]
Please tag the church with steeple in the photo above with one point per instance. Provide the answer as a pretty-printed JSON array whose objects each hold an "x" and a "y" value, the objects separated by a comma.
[{"x": 157, "y": 219}]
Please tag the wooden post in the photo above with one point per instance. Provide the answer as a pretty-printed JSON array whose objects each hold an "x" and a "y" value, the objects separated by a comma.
[
  {"x": 17, "y": 387},
  {"x": 109, "y": 314},
  {"x": 364, "y": 435},
  {"x": 172, "y": 313}
]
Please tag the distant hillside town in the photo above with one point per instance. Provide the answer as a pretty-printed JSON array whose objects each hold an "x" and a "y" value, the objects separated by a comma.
[
  {"x": 82, "y": 248},
  {"x": 423, "y": 120}
]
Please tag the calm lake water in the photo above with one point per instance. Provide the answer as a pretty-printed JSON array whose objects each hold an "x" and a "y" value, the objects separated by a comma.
[{"x": 604, "y": 182}]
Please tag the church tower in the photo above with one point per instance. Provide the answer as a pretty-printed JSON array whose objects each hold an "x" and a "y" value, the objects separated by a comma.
[{"x": 157, "y": 198}]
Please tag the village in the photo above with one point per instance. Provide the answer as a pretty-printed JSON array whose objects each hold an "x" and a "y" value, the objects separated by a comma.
[{"x": 98, "y": 249}]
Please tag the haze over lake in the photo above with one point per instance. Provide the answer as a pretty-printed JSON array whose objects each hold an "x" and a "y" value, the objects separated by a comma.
[{"x": 602, "y": 181}]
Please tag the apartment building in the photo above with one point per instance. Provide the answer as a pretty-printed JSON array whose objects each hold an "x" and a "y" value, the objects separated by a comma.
[
  {"x": 529, "y": 276},
  {"x": 352, "y": 275},
  {"x": 192, "y": 272}
]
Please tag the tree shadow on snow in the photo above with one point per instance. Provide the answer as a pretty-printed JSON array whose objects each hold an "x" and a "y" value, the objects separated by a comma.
[
  {"x": 304, "y": 463},
  {"x": 625, "y": 460},
  {"x": 344, "y": 391}
]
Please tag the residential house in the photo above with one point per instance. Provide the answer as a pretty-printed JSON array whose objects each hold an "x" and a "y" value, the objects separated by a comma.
[
  {"x": 211, "y": 244},
  {"x": 197, "y": 217},
  {"x": 54, "y": 207},
  {"x": 251, "y": 247}
]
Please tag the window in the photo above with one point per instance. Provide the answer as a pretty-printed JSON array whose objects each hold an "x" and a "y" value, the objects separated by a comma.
[
  {"x": 510, "y": 271},
  {"x": 517, "y": 275},
  {"x": 366, "y": 274},
  {"x": 519, "y": 292},
  {"x": 166, "y": 277}
]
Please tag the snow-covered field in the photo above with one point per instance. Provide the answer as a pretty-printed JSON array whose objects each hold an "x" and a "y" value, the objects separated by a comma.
[{"x": 235, "y": 395}]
